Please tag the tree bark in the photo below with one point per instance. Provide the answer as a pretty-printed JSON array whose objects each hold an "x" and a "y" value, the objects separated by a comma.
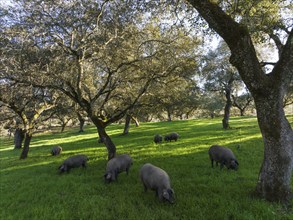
[
  {"x": 244, "y": 106},
  {"x": 242, "y": 112},
  {"x": 81, "y": 125},
  {"x": 169, "y": 115},
  {"x": 81, "y": 122},
  {"x": 18, "y": 138},
  {"x": 268, "y": 92},
  {"x": 128, "y": 119},
  {"x": 135, "y": 121},
  {"x": 108, "y": 142},
  {"x": 27, "y": 141},
  {"x": 104, "y": 137},
  {"x": 127, "y": 124},
  {"x": 63, "y": 125},
  {"x": 276, "y": 171},
  {"x": 225, "y": 121}
]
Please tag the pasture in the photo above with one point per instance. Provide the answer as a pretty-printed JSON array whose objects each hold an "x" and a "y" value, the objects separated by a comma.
[{"x": 33, "y": 188}]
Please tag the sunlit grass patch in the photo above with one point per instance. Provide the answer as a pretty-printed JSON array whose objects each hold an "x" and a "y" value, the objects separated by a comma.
[{"x": 34, "y": 189}]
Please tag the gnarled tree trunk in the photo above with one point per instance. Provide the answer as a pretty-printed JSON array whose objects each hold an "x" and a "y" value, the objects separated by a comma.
[
  {"x": 268, "y": 91},
  {"x": 276, "y": 171},
  {"x": 108, "y": 142},
  {"x": 104, "y": 137}
]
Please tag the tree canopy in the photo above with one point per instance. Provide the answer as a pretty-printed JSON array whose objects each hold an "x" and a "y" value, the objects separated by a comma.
[{"x": 109, "y": 57}]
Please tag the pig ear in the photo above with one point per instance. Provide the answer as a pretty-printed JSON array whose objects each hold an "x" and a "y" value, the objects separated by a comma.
[{"x": 236, "y": 162}]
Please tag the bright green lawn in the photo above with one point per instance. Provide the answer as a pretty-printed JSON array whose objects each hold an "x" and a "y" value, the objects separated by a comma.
[{"x": 33, "y": 189}]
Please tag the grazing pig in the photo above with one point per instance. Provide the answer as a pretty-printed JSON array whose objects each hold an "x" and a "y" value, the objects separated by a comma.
[
  {"x": 56, "y": 150},
  {"x": 73, "y": 162},
  {"x": 158, "y": 138},
  {"x": 172, "y": 136},
  {"x": 224, "y": 156},
  {"x": 155, "y": 178},
  {"x": 117, "y": 165}
]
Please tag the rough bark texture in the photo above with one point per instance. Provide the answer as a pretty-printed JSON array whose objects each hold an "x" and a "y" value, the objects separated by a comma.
[
  {"x": 268, "y": 91},
  {"x": 276, "y": 171}
]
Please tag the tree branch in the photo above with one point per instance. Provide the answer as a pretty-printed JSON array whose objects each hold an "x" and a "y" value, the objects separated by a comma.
[
  {"x": 243, "y": 55},
  {"x": 283, "y": 70},
  {"x": 278, "y": 42}
]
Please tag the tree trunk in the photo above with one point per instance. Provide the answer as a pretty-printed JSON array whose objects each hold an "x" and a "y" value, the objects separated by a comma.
[
  {"x": 242, "y": 110},
  {"x": 127, "y": 124},
  {"x": 104, "y": 137},
  {"x": 135, "y": 121},
  {"x": 227, "y": 109},
  {"x": 81, "y": 122},
  {"x": 268, "y": 91},
  {"x": 101, "y": 139},
  {"x": 108, "y": 142},
  {"x": 169, "y": 115},
  {"x": 27, "y": 140},
  {"x": 63, "y": 127},
  {"x": 275, "y": 175},
  {"x": 18, "y": 138}
]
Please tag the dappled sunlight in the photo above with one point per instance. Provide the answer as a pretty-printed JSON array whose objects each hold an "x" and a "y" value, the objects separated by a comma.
[
  {"x": 241, "y": 139},
  {"x": 63, "y": 140},
  {"x": 167, "y": 150},
  {"x": 43, "y": 163},
  {"x": 186, "y": 161},
  {"x": 10, "y": 148}
]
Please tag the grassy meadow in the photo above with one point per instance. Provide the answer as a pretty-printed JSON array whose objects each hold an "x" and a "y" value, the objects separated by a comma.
[{"x": 33, "y": 188}]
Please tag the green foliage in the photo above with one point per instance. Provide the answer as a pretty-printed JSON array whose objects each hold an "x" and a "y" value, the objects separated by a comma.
[{"x": 33, "y": 189}]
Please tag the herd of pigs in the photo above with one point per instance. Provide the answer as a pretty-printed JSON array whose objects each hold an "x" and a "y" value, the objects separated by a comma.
[{"x": 152, "y": 177}]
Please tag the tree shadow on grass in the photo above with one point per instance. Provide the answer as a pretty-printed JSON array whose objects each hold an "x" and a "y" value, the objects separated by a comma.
[{"x": 195, "y": 183}]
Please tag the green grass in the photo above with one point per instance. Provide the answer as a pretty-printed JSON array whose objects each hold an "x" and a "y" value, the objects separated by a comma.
[{"x": 33, "y": 189}]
